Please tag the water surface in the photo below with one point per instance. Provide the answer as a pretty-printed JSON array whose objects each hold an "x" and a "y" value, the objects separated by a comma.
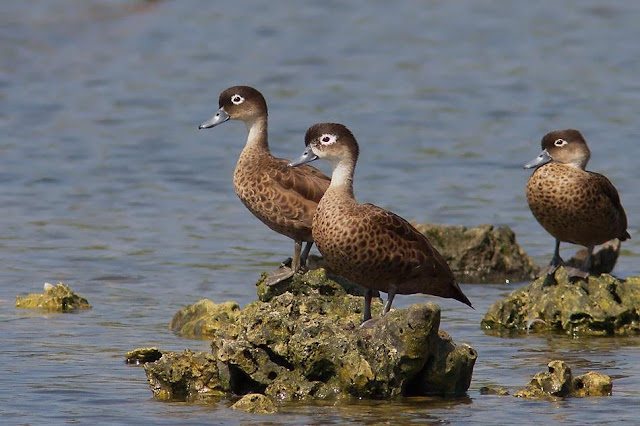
[{"x": 107, "y": 185}]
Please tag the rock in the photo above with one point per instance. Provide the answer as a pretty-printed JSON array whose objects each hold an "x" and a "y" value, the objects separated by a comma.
[
  {"x": 307, "y": 342},
  {"x": 255, "y": 403},
  {"x": 143, "y": 355},
  {"x": 204, "y": 318},
  {"x": 185, "y": 376},
  {"x": 592, "y": 384},
  {"x": 57, "y": 298},
  {"x": 559, "y": 382},
  {"x": 490, "y": 390},
  {"x": 482, "y": 254},
  {"x": 602, "y": 261},
  {"x": 601, "y": 306}
]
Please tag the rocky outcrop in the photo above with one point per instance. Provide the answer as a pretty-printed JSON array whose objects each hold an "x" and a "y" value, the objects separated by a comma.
[
  {"x": 602, "y": 305},
  {"x": 558, "y": 381},
  {"x": 481, "y": 254},
  {"x": 58, "y": 298},
  {"x": 305, "y": 340}
]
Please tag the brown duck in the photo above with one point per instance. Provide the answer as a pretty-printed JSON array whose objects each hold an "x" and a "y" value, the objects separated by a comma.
[
  {"x": 364, "y": 243},
  {"x": 572, "y": 204},
  {"x": 283, "y": 198}
]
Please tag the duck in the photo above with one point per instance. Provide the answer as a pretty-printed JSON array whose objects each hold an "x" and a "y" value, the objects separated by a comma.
[
  {"x": 283, "y": 198},
  {"x": 364, "y": 243},
  {"x": 572, "y": 204}
]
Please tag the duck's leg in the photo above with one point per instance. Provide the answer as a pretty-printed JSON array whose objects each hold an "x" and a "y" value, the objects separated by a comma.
[
  {"x": 295, "y": 263},
  {"x": 390, "y": 295},
  {"x": 368, "y": 295},
  {"x": 305, "y": 255},
  {"x": 556, "y": 261}
]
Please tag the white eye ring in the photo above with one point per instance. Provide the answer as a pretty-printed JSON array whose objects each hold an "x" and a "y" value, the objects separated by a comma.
[
  {"x": 328, "y": 139},
  {"x": 560, "y": 142},
  {"x": 237, "y": 99}
]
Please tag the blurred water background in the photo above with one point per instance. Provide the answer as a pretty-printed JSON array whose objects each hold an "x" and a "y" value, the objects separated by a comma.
[{"x": 106, "y": 183}]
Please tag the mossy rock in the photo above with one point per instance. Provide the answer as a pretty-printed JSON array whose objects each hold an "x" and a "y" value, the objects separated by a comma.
[
  {"x": 309, "y": 343},
  {"x": 481, "y": 254},
  {"x": 58, "y": 298},
  {"x": 558, "y": 381},
  {"x": 599, "y": 306}
]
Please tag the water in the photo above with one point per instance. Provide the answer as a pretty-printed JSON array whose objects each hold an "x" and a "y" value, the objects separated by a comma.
[{"x": 107, "y": 185}]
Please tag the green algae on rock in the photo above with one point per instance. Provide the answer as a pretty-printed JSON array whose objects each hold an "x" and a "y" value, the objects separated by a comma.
[
  {"x": 185, "y": 376},
  {"x": 558, "y": 381},
  {"x": 482, "y": 254},
  {"x": 255, "y": 403},
  {"x": 58, "y": 298},
  {"x": 600, "y": 306},
  {"x": 204, "y": 318},
  {"x": 307, "y": 342}
]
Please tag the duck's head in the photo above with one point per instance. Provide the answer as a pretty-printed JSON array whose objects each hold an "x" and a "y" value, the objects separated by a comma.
[
  {"x": 330, "y": 141},
  {"x": 242, "y": 103},
  {"x": 562, "y": 146}
]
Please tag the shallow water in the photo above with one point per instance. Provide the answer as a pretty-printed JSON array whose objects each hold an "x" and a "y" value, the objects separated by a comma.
[{"x": 108, "y": 185}]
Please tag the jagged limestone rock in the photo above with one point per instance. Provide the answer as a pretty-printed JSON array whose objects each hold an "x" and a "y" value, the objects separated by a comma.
[
  {"x": 482, "y": 254},
  {"x": 308, "y": 342},
  {"x": 558, "y": 381},
  {"x": 603, "y": 305},
  {"x": 592, "y": 384},
  {"x": 255, "y": 403},
  {"x": 143, "y": 355},
  {"x": 204, "y": 318},
  {"x": 185, "y": 376},
  {"x": 58, "y": 298}
]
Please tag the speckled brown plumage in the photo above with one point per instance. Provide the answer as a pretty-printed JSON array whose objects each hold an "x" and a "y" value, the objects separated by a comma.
[
  {"x": 365, "y": 243},
  {"x": 573, "y": 205},
  {"x": 283, "y": 198}
]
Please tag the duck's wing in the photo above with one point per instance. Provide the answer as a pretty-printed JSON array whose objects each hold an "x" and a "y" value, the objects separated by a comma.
[{"x": 610, "y": 191}]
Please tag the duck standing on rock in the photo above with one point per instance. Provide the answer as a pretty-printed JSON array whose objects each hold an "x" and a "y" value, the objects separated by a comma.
[
  {"x": 572, "y": 204},
  {"x": 283, "y": 198},
  {"x": 364, "y": 243}
]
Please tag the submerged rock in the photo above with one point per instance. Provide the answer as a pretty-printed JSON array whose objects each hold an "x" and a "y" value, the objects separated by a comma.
[
  {"x": 255, "y": 403},
  {"x": 482, "y": 254},
  {"x": 306, "y": 341},
  {"x": 58, "y": 298},
  {"x": 558, "y": 381},
  {"x": 603, "y": 305}
]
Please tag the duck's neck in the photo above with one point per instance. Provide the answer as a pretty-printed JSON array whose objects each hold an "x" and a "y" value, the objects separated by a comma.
[
  {"x": 342, "y": 177},
  {"x": 257, "y": 138}
]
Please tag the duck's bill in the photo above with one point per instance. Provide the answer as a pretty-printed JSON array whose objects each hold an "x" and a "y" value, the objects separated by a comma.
[
  {"x": 541, "y": 159},
  {"x": 306, "y": 157},
  {"x": 220, "y": 117}
]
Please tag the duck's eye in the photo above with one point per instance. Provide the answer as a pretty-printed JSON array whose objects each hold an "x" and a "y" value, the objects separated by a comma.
[
  {"x": 237, "y": 99},
  {"x": 560, "y": 142},
  {"x": 328, "y": 139}
]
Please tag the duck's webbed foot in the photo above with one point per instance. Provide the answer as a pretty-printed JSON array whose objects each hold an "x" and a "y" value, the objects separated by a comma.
[{"x": 284, "y": 272}]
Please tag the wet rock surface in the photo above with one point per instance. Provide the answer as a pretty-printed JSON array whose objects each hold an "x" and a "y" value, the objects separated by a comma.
[
  {"x": 58, "y": 298},
  {"x": 143, "y": 355},
  {"x": 306, "y": 341},
  {"x": 481, "y": 254},
  {"x": 255, "y": 403},
  {"x": 602, "y": 305},
  {"x": 558, "y": 381}
]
